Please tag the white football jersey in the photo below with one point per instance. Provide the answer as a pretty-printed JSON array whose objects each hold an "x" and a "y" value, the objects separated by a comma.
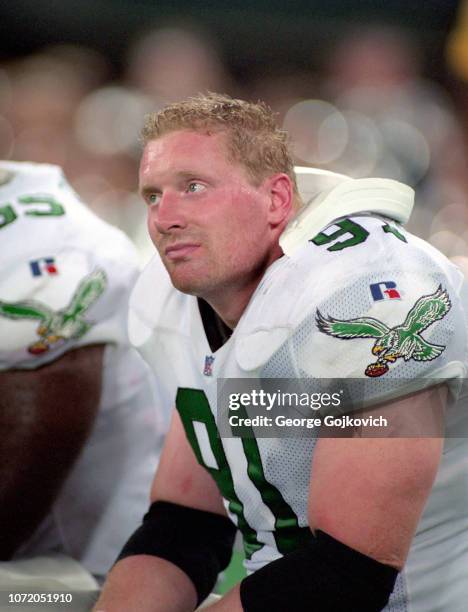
[
  {"x": 363, "y": 299},
  {"x": 65, "y": 280}
]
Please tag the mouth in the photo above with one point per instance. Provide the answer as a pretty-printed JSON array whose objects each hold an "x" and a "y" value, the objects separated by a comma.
[{"x": 180, "y": 251}]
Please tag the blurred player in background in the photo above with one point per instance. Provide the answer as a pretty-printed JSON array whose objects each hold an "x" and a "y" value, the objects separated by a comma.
[
  {"x": 328, "y": 524},
  {"x": 80, "y": 418}
]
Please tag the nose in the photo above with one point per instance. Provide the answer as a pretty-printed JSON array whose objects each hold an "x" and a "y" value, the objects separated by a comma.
[{"x": 168, "y": 214}]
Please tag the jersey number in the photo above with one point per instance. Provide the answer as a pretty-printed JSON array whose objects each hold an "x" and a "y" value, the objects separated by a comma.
[
  {"x": 353, "y": 234},
  {"x": 199, "y": 422},
  {"x": 37, "y": 206}
]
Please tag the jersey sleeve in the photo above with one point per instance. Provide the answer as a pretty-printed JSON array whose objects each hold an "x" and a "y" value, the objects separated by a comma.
[
  {"x": 58, "y": 299},
  {"x": 386, "y": 333},
  {"x": 386, "y": 314},
  {"x": 65, "y": 274},
  {"x": 398, "y": 344}
]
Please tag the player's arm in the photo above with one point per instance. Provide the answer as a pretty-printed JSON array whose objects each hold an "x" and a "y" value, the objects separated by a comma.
[
  {"x": 45, "y": 417},
  {"x": 185, "y": 503},
  {"x": 369, "y": 492},
  {"x": 365, "y": 499}
]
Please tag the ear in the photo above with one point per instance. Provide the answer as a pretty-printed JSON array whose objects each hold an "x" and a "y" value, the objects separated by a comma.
[{"x": 280, "y": 191}]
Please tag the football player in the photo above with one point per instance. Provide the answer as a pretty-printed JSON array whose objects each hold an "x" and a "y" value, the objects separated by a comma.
[
  {"x": 328, "y": 523},
  {"x": 78, "y": 408}
]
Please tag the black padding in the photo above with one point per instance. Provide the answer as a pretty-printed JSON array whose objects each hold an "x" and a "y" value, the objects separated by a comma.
[
  {"x": 323, "y": 576},
  {"x": 199, "y": 543}
]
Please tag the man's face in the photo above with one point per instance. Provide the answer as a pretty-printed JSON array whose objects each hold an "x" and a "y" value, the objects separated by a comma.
[{"x": 207, "y": 221}]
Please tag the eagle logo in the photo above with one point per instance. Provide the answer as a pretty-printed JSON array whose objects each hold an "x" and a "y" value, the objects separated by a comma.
[
  {"x": 402, "y": 341},
  {"x": 61, "y": 325}
]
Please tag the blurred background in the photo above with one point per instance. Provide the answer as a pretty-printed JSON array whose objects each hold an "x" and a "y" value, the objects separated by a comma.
[{"x": 368, "y": 88}]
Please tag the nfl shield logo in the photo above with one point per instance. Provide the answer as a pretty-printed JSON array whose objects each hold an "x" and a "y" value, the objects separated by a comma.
[{"x": 208, "y": 369}]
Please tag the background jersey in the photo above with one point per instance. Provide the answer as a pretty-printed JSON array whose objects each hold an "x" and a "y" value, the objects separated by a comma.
[
  {"x": 65, "y": 279},
  {"x": 296, "y": 325}
]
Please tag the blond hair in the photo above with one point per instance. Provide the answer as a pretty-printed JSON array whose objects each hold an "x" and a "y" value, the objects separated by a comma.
[{"x": 254, "y": 139}]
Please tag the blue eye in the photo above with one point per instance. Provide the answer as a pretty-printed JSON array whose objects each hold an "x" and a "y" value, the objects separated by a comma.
[
  {"x": 153, "y": 198},
  {"x": 195, "y": 187}
]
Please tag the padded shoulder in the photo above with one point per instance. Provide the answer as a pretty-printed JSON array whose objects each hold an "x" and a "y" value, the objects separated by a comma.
[
  {"x": 328, "y": 196},
  {"x": 41, "y": 210},
  {"x": 345, "y": 283},
  {"x": 65, "y": 275},
  {"x": 17, "y": 174},
  {"x": 154, "y": 304}
]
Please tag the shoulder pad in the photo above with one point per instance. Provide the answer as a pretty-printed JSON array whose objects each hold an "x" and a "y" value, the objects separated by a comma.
[
  {"x": 154, "y": 303},
  {"x": 268, "y": 321},
  {"x": 43, "y": 317},
  {"x": 15, "y": 173},
  {"x": 345, "y": 197},
  {"x": 295, "y": 287}
]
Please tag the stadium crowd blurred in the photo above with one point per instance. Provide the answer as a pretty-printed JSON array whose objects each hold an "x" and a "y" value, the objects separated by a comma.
[{"x": 367, "y": 112}]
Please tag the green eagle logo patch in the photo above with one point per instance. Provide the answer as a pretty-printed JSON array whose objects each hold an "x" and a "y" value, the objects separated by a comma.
[
  {"x": 61, "y": 325},
  {"x": 392, "y": 343}
]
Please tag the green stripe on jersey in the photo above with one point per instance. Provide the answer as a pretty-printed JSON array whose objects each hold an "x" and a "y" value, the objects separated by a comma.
[{"x": 193, "y": 406}]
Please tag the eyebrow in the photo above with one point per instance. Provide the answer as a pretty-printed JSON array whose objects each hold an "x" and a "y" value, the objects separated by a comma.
[
  {"x": 147, "y": 190},
  {"x": 182, "y": 175}
]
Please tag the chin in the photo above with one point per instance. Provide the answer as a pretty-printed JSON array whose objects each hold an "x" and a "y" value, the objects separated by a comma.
[
  {"x": 190, "y": 279},
  {"x": 186, "y": 285},
  {"x": 197, "y": 286}
]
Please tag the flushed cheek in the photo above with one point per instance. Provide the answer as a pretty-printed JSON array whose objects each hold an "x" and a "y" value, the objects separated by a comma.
[
  {"x": 227, "y": 250},
  {"x": 153, "y": 233},
  {"x": 156, "y": 238}
]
